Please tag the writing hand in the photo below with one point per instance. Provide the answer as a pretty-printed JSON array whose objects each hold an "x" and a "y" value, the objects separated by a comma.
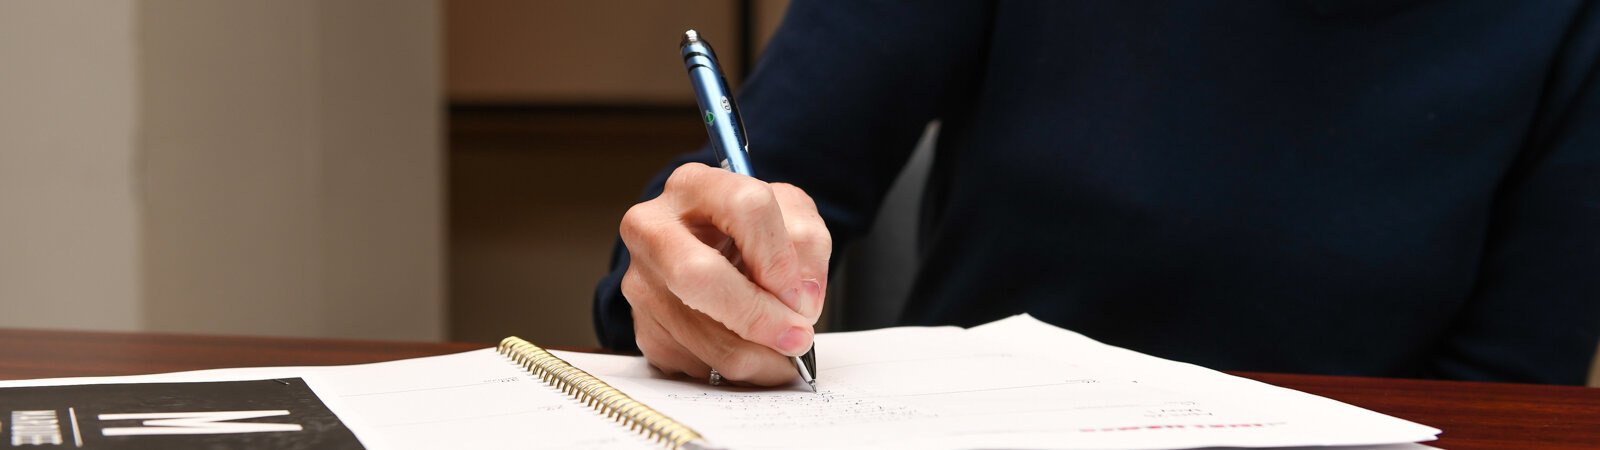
[{"x": 727, "y": 272}]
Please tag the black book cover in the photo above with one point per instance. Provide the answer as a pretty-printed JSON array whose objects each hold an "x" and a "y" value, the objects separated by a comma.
[{"x": 257, "y": 414}]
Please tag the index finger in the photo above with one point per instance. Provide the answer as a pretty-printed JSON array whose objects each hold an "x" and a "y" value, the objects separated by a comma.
[
  {"x": 813, "y": 246},
  {"x": 705, "y": 281}
]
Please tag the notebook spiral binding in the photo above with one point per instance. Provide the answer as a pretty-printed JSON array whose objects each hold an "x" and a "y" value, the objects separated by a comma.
[{"x": 598, "y": 395}]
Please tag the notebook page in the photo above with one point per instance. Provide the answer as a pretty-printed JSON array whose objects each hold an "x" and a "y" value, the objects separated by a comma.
[
  {"x": 476, "y": 399},
  {"x": 1017, "y": 383}
]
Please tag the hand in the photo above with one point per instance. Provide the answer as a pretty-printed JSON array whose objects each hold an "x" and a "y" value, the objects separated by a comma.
[{"x": 728, "y": 272}]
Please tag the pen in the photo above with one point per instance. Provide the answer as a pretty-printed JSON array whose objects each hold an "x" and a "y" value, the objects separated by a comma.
[{"x": 728, "y": 141}]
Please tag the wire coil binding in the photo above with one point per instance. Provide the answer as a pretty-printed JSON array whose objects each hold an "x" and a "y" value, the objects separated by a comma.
[{"x": 596, "y": 394}]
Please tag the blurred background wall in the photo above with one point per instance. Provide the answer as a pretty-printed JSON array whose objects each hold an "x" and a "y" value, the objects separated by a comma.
[
  {"x": 392, "y": 170},
  {"x": 68, "y": 221},
  {"x": 245, "y": 167},
  {"x": 289, "y": 172}
]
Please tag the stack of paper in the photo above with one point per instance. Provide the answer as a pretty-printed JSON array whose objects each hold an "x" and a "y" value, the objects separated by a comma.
[{"x": 1015, "y": 383}]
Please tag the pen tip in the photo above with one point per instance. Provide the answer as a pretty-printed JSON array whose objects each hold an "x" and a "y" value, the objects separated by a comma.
[
  {"x": 691, "y": 36},
  {"x": 813, "y": 384}
]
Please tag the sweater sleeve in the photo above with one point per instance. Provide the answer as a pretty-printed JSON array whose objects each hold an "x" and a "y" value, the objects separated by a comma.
[
  {"x": 1534, "y": 315},
  {"x": 835, "y": 106}
]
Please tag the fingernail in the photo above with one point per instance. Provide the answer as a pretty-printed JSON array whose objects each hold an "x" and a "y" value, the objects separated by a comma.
[
  {"x": 791, "y": 297},
  {"x": 812, "y": 293},
  {"x": 795, "y": 341}
]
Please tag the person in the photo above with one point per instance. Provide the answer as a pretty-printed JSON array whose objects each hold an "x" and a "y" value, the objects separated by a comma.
[{"x": 1386, "y": 188}]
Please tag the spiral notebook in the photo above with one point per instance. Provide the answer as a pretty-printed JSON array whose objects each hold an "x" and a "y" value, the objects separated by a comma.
[{"x": 1015, "y": 383}]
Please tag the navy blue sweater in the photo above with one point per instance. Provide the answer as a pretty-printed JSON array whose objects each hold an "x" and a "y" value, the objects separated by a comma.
[{"x": 1389, "y": 188}]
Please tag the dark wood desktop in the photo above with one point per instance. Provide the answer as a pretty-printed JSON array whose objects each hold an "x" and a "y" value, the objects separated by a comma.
[{"x": 1472, "y": 415}]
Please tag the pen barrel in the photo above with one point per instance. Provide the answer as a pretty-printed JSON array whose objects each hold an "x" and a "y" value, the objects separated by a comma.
[{"x": 718, "y": 111}]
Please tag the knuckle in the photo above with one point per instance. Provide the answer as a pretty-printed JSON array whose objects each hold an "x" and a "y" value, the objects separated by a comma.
[
  {"x": 644, "y": 336},
  {"x": 753, "y": 196},
  {"x": 634, "y": 223},
  {"x": 697, "y": 270},
  {"x": 810, "y": 234},
  {"x": 721, "y": 354},
  {"x": 634, "y": 288},
  {"x": 794, "y": 195},
  {"x": 661, "y": 355},
  {"x": 740, "y": 366},
  {"x": 682, "y": 177},
  {"x": 777, "y": 266},
  {"x": 787, "y": 190},
  {"x": 662, "y": 364},
  {"x": 751, "y": 319},
  {"x": 646, "y": 344}
]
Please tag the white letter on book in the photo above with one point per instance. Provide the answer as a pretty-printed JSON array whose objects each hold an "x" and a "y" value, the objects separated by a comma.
[
  {"x": 35, "y": 428},
  {"x": 215, "y": 422}
]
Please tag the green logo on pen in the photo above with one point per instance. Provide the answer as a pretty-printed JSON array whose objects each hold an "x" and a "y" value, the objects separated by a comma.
[{"x": 710, "y": 118}]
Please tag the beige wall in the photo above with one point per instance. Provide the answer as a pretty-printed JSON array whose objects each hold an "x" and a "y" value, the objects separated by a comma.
[
  {"x": 250, "y": 167},
  {"x": 290, "y": 170},
  {"x": 68, "y": 221}
]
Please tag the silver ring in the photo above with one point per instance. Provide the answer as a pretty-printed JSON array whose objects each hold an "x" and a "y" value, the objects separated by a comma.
[{"x": 716, "y": 378}]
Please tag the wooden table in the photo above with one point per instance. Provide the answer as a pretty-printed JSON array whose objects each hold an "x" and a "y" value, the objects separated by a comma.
[{"x": 1472, "y": 415}]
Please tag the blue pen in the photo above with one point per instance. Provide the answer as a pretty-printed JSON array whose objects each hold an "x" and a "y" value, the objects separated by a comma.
[{"x": 721, "y": 116}]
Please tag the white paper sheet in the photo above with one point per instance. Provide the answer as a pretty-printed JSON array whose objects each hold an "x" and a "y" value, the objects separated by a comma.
[{"x": 1016, "y": 383}]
